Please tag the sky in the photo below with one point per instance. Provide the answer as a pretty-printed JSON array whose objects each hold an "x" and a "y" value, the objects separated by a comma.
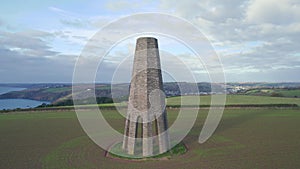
[{"x": 256, "y": 40}]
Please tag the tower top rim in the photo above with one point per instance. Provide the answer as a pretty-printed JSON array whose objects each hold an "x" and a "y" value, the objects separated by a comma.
[
  {"x": 146, "y": 38},
  {"x": 144, "y": 43}
]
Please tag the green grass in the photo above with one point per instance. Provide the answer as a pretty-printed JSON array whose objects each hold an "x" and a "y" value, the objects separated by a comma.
[
  {"x": 230, "y": 100},
  {"x": 206, "y": 101},
  {"x": 37, "y": 115},
  {"x": 275, "y": 92},
  {"x": 245, "y": 138},
  {"x": 54, "y": 158},
  {"x": 235, "y": 100},
  {"x": 290, "y": 93},
  {"x": 118, "y": 152},
  {"x": 103, "y": 87},
  {"x": 58, "y": 90}
]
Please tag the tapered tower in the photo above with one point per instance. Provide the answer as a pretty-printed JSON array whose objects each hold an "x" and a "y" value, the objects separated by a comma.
[{"x": 146, "y": 104}]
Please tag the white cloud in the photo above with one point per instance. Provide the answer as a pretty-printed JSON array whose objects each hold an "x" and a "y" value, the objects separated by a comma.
[
  {"x": 251, "y": 36},
  {"x": 273, "y": 12},
  {"x": 30, "y": 42},
  {"x": 120, "y": 5}
]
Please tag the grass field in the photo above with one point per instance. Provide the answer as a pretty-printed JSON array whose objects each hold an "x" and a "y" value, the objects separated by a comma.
[
  {"x": 58, "y": 90},
  {"x": 290, "y": 93},
  {"x": 279, "y": 92},
  {"x": 230, "y": 100},
  {"x": 235, "y": 100},
  {"x": 251, "y": 138}
]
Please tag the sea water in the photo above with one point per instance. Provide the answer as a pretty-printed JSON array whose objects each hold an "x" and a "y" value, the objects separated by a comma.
[{"x": 17, "y": 103}]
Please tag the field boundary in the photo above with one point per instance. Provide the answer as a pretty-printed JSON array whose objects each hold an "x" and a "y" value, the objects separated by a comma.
[{"x": 233, "y": 106}]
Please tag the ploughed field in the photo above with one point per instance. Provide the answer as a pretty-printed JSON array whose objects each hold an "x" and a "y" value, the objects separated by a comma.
[{"x": 245, "y": 138}]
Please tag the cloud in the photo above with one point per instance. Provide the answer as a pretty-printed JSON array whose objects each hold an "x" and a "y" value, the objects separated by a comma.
[
  {"x": 69, "y": 41},
  {"x": 75, "y": 22},
  {"x": 118, "y": 5},
  {"x": 30, "y": 42},
  {"x": 122, "y": 5},
  {"x": 255, "y": 38},
  {"x": 273, "y": 12},
  {"x": 27, "y": 57},
  {"x": 213, "y": 10},
  {"x": 17, "y": 67},
  {"x": 250, "y": 36},
  {"x": 70, "y": 19},
  {"x": 61, "y": 11},
  {"x": 100, "y": 20}
]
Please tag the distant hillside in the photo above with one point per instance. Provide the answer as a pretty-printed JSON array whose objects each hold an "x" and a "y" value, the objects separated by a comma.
[
  {"x": 51, "y": 93},
  {"x": 35, "y": 85},
  {"x": 282, "y": 92},
  {"x": 62, "y": 93},
  {"x": 42, "y": 94}
]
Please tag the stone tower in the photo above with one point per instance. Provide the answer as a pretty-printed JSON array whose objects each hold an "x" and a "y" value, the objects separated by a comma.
[{"x": 146, "y": 105}]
